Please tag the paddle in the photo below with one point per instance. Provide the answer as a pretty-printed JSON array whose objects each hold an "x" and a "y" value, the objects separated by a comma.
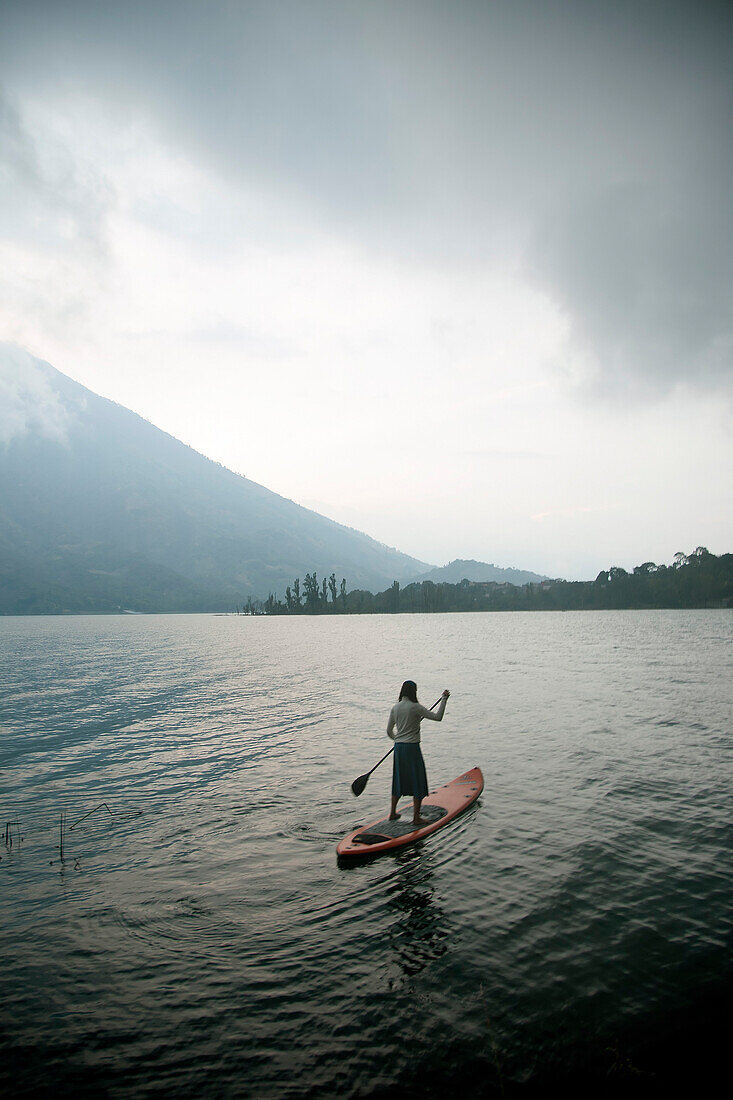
[{"x": 359, "y": 784}]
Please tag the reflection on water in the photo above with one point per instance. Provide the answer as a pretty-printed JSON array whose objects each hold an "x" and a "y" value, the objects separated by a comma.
[
  {"x": 421, "y": 929},
  {"x": 199, "y": 938}
]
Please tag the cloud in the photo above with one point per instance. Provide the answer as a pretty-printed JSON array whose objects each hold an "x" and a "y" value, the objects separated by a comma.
[
  {"x": 54, "y": 210},
  {"x": 49, "y": 199},
  {"x": 586, "y": 146},
  {"x": 647, "y": 278},
  {"x": 28, "y": 403}
]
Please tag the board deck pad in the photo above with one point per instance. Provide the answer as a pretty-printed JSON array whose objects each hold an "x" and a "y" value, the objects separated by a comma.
[
  {"x": 386, "y": 829},
  {"x": 439, "y": 808}
]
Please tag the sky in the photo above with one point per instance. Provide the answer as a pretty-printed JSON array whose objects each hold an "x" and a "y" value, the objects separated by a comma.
[{"x": 459, "y": 275}]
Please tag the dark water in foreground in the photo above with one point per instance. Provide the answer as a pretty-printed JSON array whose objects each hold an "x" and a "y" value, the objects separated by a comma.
[{"x": 572, "y": 930}]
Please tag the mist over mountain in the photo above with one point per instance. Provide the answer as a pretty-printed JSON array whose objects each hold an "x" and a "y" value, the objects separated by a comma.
[
  {"x": 459, "y": 570},
  {"x": 102, "y": 511}
]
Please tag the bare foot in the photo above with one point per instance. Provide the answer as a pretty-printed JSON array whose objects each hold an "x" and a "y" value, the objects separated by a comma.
[
  {"x": 393, "y": 817},
  {"x": 420, "y": 821}
]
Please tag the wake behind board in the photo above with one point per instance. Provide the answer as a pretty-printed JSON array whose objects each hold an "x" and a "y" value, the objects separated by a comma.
[{"x": 439, "y": 808}]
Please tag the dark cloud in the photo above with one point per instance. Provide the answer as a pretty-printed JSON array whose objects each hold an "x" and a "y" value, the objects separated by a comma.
[
  {"x": 587, "y": 144},
  {"x": 647, "y": 279}
]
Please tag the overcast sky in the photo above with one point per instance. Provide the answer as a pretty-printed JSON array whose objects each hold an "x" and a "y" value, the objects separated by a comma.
[{"x": 457, "y": 274}]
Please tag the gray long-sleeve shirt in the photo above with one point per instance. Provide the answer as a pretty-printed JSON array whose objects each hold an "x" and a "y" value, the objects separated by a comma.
[{"x": 407, "y": 716}]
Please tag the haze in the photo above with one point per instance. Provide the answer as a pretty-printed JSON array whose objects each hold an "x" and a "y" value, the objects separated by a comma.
[{"x": 458, "y": 275}]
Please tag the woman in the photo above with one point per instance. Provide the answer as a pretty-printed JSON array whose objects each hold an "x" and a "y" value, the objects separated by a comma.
[{"x": 409, "y": 767}]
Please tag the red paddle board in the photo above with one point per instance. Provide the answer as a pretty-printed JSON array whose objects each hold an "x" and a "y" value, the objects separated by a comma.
[{"x": 440, "y": 807}]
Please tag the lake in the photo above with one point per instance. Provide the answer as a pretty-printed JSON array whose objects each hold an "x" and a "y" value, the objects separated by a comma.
[{"x": 198, "y": 939}]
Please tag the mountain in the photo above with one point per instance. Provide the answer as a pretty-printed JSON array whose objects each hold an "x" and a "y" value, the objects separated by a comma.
[
  {"x": 102, "y": 511},
  {"x": 456, "y": 571}
]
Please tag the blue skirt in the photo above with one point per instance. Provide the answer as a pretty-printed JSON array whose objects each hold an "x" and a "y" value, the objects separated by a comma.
[{"x": 409, "y": 776}]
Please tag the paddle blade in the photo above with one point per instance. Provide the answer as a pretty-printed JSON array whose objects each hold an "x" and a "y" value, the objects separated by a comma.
[{"x": 359, "y": 784}]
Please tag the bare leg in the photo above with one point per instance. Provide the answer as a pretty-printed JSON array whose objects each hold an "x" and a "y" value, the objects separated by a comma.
[
  {"x": 416, "y": 819},
  {"x": 393, "y": 815}
]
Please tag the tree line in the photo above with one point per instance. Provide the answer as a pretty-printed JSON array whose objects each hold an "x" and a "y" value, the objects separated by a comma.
[
  {"x": 697, "y": 580},
  {"x": 311, "y": 599}
]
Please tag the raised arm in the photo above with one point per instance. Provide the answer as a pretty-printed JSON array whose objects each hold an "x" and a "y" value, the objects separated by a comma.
[{"x": 436, "y": 715}]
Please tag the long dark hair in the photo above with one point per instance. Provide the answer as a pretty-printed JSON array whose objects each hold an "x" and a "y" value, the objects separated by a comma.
[{"x": 409, "y": 691}]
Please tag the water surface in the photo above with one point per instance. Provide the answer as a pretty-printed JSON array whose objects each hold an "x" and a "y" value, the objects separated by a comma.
[{"x": 199, "y": 938}]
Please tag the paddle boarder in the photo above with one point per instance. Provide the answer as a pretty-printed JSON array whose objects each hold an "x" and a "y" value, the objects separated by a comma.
[{"x": 409, "y": 776}]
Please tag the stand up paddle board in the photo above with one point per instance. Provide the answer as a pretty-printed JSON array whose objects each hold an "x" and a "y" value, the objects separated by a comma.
[{"x": 439, "y": 808}]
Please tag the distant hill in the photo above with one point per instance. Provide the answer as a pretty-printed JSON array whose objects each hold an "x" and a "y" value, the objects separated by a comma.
[
  {"x": 456, "y": 571},
  {"x": 102, "y": 511}
]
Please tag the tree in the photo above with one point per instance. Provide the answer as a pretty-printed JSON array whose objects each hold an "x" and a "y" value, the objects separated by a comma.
[
  {"x": 332, "y": 586},
  {"x": 310, "y": 586},
  {"x": 324, "y": 593},
  {"x": 296, "y": 592},
  {"x": 343, "y": 592},
  {"x": 395, "y": 596}
]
